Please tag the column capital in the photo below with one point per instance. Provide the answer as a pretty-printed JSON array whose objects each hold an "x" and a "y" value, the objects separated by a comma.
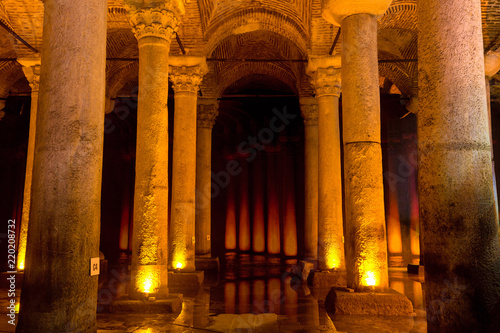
[
  {"x": 31, "y": 69},
  {"x": 208, "y": 110},
  {"x": 309, "y": 110},
  {"x": 334, "y": 11},
  {"x": 325, "y": 75},
  {"x": 155, "y": 18},
  {"x": 186, "y": 73}
]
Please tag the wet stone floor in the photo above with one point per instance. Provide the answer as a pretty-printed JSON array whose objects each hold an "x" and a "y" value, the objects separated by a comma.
[{"x": 251, "y": 294}]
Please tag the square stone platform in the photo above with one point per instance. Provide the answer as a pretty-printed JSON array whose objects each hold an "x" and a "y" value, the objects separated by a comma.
[
  {"x": 171, "y": 304},
  {"x": 207, "y": 264},
  {"x": 346, "y": 302},
  {"x": 185, "y": 279},
  {"x": 328, "y": 279}
]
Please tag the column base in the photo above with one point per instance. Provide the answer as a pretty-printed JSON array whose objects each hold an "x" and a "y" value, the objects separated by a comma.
[
  {"x": 416, "y": 272},
  {"x": 390, "y": 303},
  {"x": 323, "y": 279},
  {"x": 171, "y": 304},
  {"x": 185, "y": 279},
  {"x": 207, "y": 263}
]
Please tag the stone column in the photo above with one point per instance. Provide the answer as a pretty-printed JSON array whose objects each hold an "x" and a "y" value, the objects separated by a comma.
[
  {"x": 457, "y": 206},
  {"x": 207, "y": 113},
  {"x": 366, "y": 245},
  {"x": 186, "y": 75},
  {"x": 59, "y": 295},
  {"x": 31, "y": 69},
  {"x": 309, "y": 110},
  {"x": 325, "y": 74},
  {"x": 154, "y": 24}
]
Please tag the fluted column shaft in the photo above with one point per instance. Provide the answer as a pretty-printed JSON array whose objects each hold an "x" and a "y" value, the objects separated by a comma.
[
  {"x": 59, "y": 295},
  {"x": 325, "y": 74},
  {"x": 457, "y": 206},
  {"x": 154, "y": 24},
  {"x": 186, "y": 77},
  {"x": 207, "y": 114},
  {"x": 309, "y": 110},
  {"x": 31, "y": 68}
]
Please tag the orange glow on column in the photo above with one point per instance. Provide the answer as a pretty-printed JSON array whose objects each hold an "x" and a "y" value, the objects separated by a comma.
[
  {"x": 290, "y": 225},
  {"x": 259, "y": 233},
  {"x": 414, "y": 218},
  {"x": 395, "y": 243},
  {"x": 147, "y": 280},
  {"x": 244, "y": 237},
  {"x": 230, "y": 297},
  {"x": 244, "y": 296},
  {"x": 230, "y": 218},
  {"x": 125, "y": 218},
  {"x": 273, "y": 209}
]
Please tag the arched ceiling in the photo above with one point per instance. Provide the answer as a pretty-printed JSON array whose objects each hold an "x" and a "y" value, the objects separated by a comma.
[{"x": 237, "y": 29}]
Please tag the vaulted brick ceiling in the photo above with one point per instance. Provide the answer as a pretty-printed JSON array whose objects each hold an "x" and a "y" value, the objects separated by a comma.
[{"x": 237, "y": 29}]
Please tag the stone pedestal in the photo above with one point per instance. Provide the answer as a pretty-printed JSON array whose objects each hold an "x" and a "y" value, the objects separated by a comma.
[
  {"x": 59, "y": 295},
  {"x": 170, "y": 304},
  {"x": 329, "y": 279},
  {"x": 366, "y": 246},
  {"x": 207, "y": 113},
  {"x": 31, "y": 69},
  {"x": 154, "y": 24},
  {"x": 186, "y": 75},
  {"x": 178, "y": 279},
  {"x": 309, "y": 110},
  {"x": 390, "y": 303},
  {"x": 325, "y": 74},
  {"x": 457, "y": 202}
]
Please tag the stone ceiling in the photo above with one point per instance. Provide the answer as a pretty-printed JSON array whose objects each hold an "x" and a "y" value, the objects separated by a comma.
[{"x": 237, "y": 29}]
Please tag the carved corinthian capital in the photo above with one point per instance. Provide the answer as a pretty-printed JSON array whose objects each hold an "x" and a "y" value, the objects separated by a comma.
[
  {"x": 208, "y": 110},
  {"x": 155, "y": 18},
  {"x": 31, "y": 69},
  {"x": 187, "y": 73},
  {"x": 325, "y": 75},
  {"x": 309, "y": 110}
]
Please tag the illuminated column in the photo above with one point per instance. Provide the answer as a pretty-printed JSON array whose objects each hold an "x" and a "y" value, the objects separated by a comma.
[
  {"x": 153, "y": 28},
  {"x": 273, "y": 208},
  {"x": 258, "y": 196},
  {"x": 65, "y": 209},
  {"x": 457, "y": 203},
  {"x": 186, "y": 75},
  {"x": 207, "y": 113},
  {"x": 31, "y": 69},
  {"x": 244, "y": 241},
  {"x": 366, "y": 246},
  {"x": 325, "y": 73},
  {"x": 309, "y": 110}
]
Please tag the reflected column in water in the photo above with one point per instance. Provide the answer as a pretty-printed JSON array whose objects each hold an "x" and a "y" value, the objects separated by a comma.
[
  {"x": 230, "y": 297},
  {"x": 274, "y": 295},
  {"x": 259, "y": 296},
  {"x": 244, "y": 297}
]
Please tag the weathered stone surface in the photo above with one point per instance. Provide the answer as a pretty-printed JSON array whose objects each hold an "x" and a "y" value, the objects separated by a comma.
[
  {"x": 366, "y": 247},
  {"x": 390, "y": 303},
  {"x": 186, "y": 79},
  {"x": 457, "y": 207},
  {"x": 329, "y": 279},
  {"x": 59, "y": 295},
  {"x": 186, "y": 279},
  {"x": 326, "y": 83},
  {"x": 309, "y": 110},
  {"x": 207, "y": 113},
  {"x": 150, "y": 236}
]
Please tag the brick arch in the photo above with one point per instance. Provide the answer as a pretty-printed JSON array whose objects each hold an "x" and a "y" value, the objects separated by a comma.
[
  {"x": 249, "y": 20},
  {"x": 242, "y": 70}
]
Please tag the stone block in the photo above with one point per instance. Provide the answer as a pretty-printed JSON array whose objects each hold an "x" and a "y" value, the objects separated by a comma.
[
  {"x": 185, "y": 279},
  {"x": 170, "y": 304},
  {"x": 322, "y": 279},
  {"x": 345, "y": 302}
]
